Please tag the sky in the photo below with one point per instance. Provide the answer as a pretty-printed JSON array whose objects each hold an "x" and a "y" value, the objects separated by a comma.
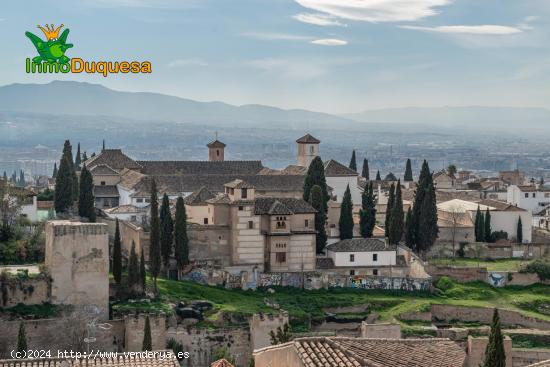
[{"x": 335, "y": 56}]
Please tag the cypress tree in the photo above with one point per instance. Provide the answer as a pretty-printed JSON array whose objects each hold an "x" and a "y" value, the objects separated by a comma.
[
  {"x": 167, "y": 231},
  {"x": 427, "y": 225},
  {"x": 487, "y": 229},
  {"x": 22, "y": 181},
  {"x": 424, "y": 181},
  {"x": 519, "y": 231},
  {"x": 142, "y": 274},
  {"x": 68, "y": 154},
  {"x": 54, "y": 174},
  {"x": 133, "y": 268},
  {"x": 494, "y": 352},
  {"x": 117, "y": 255},
  {"x": 154, "y": 248},
  {"x": 84, "y": 157},
  {"x": 409, "y": 229},
  {"x": 476, "y": 224},
  {"x": 63, "y": 197},
  {"x": 77, "y": 159},
  {"x": 365, "y": 171},
  {"x": 103, "y": 146},
  {"x": 147, "y": 342},
  {"x": 408, "y": 171},
  {"x": 345, "y": 223},
  {"x": 21, "y": 338},
  {"x": 86, "y": 198},
  {"x": 14, "y": 177},
  {"x": 353, "y": 162},
  {"x": 367, "y": 215},
  {"x": 481, "y": 229},
  {"x": 316, "y": 176},
  {"x": 378, "y": 178},
  {"x": 389, "y": 206},
  {"x": 397, "y": 220},
  {"x": 181, "y": 242},
  {"x": 316, "y": 201}
]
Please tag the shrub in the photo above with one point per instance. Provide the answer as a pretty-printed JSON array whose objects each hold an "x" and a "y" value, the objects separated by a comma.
[
  {"x": 539, "y": 267},
  {"x": 499, "y": 235},
  {"x": 445, "y": 283}
]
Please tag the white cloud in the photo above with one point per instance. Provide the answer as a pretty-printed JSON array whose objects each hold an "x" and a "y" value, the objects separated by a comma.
[
  {"x": 187, "y": 62},
  {"x": 376, "y": 10},
  {"x": 318, "y": 19},
  {"x": 329, "y": 42},
  {"x": 276, "y": 36},
  {"x": 495, "y": 30}
]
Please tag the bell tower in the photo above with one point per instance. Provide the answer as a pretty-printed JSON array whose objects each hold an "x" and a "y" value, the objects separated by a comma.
[
  {"x": 308, "y": 148},
  {"x": 216, "y": 150}
]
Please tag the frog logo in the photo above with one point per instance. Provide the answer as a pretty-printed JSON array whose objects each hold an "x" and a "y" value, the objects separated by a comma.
[{"x": 53, "y": 49}]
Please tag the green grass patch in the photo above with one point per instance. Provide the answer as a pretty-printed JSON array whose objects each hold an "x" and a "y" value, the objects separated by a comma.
[{"x": 42, "y": 311}]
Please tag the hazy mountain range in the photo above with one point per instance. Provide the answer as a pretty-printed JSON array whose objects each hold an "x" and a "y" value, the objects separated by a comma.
[{"x": 85, "y": 99}]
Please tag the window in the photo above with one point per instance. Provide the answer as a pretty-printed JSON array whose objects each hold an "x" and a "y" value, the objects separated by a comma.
[
  {"x": 351, "y": 258},
  {"x": 241, "y": 208},
  {"x": 311, "y": 149},
  {"x": 147, "y": 200},
  {"x": 374, "y": 257},
  {"x": 526, "y": 195},
  {"x": 205, "y": 220},
  {"x": 244, "y": 193},
  {"x": 306, "y": 223},
  {"x": 140, "y": 200},
  {"x": 133, "y": 218},
  {"x": 250, "y": 224},
  {"x": 534, "y": 194},
  {"x": 102, "y": 183},
  {"x": 280, "y": 257},
  {"x": 374, "y": 271},
  {"x": 218, "y": 152},
  {"x": 352, "y": 272},
  {"x": 547, "y": 194},
  {"x": 232, "y": 191}
]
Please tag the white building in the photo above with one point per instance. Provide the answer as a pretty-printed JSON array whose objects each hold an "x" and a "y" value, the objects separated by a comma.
[
  {"x": 362, "y": 253},
  {"x": 531, "y": 198},
  {"x": 338, "y": 177}
]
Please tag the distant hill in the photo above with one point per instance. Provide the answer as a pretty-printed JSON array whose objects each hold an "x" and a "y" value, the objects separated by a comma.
[
  {"x": 471, "y": 116},
  {"x": 79, "y": 98}
]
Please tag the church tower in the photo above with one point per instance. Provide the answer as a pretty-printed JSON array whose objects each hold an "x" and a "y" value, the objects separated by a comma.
[
  {"x": 308, "y": 148},
  {"x": 216, "y": 150}
]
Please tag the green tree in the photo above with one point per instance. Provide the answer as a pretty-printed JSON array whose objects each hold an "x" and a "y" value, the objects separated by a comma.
[
  {"x": 353, "y": 161},
  {"x": 476, "y": 224},
  {"x": 142, "y": 274},
  {"x": 117, "y": 255},
  {"x": 84, "y": 157},
  {"x": 316, "y": 201},
  {"x": 345, "y": 224},
  {"x": 223, "y": 353},
  {"x": 68, "y": 154},
  {"x": 22, "y": 182},
  {"x": 281, "y": 335},
  {"x": 154, "y": 237},
  {"x": 54, "y": 173},
  {"x": 77, "y": 158},
  {"x": 481, "y": 229},
  {"x": 378, "y": 178},
  {"x": 494, "y": 352},
  {"x": 133, "y": 269},
  {"x": 103, "y": 145},
  {"x": 389, "y": 206},
  {"x": 63, "y": 198},
  {"x": 487, "y": 230},
  {"x": 316, "y": 176},
  {"x": 519, "y": 231},
  {"x": 86, "y": 200},
  {"x": 181, "y": 242},
  {"x": 409, "y": 229},
  {"x": 21, "y": 338},
  {"x": 367, "y": 214},
  {"x": 451, "y": 170},
  {"x": 408, "y": 171},
  {"x": 167, "y": 231},
  {"x": 147, "y": 341},
  {"x": 365, "y": 171},
  {"x": 428, "y": 229},
  {"x": 397, "y": 220}
]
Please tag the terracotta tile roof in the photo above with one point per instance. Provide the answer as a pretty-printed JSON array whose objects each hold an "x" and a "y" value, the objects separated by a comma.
[
  {"x": 201, "y": 167},
  {"x": 501, "y": 205},
  {"x": 267, "y": 205},
  {"x": 358, "y": 352},
  {"x": 308, "y": 139},
  {"x": 334, "y": 168},
  {"x": 215, "y": 144},
  {"x": 130, "y": 178},
  {"x": 219, "y": 199},
  {"x": 324, "y": 263},
  {"x": 294, "y": 170},
  {"x": 127, "y": 209},
  {"x": 199, "y": 197},
  {"x": 221, "y": 363},
  {"x": 541, "y": 364},
  {"x": 119, "y": 361},
  {"x": 114, "y": 158},
  {"x": 239, "y": 184},
  {"x": 103, "y": 169},
  {"x": 359, "y": 244}
]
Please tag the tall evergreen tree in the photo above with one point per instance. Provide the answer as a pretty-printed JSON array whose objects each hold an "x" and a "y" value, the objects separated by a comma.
[
  {"x": 487, "y": 230},
  {"x": 367, "y": 215},
  {"x": 103, "y": 146},
  {"x": 68, "y": 154},
  {"x": 408, "y": 171},
  {"x": 133, "y": 269},
  {"x": 519, "y": 231},
  {"x": 316, "y": 201},
  {"x": 14, "y": 177},
  {"x": 117, "y": 255},
  {"x": 451, "y": 170},
  {"x": 353, "y": 161},
  {"x": 142, "y": 274},
  {"x": 147, "y": 341},
  {"x": 424, "y": 181},
  {"x": 365, "y": 172},
  {"x": 77, "y": 159},
  {"x": 21, "y": 338},
  {"x": 389, "y": 206},
  {"x": 154, "y": 237},
  {"x": 494, "y": 352},
  {"x": 22, "y": 182},
  {"x": 481, "y": 229},
  {"x": 345, "y": 224},
  {"x": 181, "y": 241},
  {"x": 476, "y": 224},
  {"x": 409, "y": 229},
  {"x": 84, "y": 157},
  {"x": 397, "y": 220},
  {"x": 86, "y": 200},
  {"x": 167, "y": 231},
  {"x": 378, "y": 178},
  {"x": 63, "y": 198},
  {"x": 427, "y": 224},
  {"x": 54, "y": 173},
  {"x": 316, "y": 176}
]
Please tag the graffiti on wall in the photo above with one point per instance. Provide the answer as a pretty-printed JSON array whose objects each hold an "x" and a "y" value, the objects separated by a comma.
[
  {"x": 269, "y": 279},
  {"x": 497, "y": 279}
]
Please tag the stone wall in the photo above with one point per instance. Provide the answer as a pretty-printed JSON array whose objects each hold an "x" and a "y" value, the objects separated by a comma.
[
  {"x": 524, "y": 357},
  {"x": 461, "y": 274},
  {"x": 203, "y": 343},
  {"x": 380, "y": 331},
  {"x": 135, "y": 326},
  {"x": 60, "y": 334},
  {"x": 31, "y": 291},
  {"x": 476, "y": 351},
  {"x": 260, "y": 327}
]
